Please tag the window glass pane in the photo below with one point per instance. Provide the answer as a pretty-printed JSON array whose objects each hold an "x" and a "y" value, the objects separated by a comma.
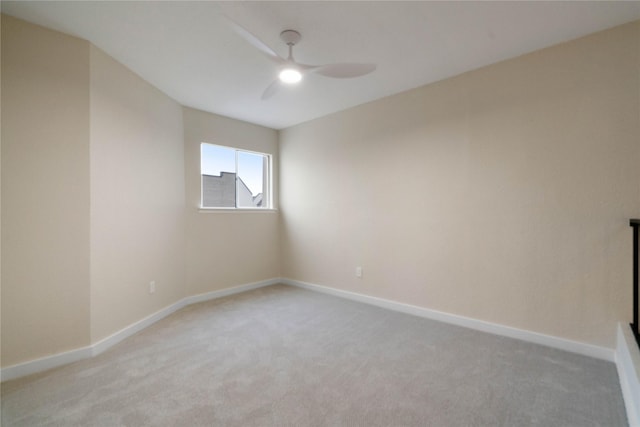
[
  {"x": 216, "y": 159},
  {"x": 218, "y": 169},
  {"x": 233, "y": 178},
  {"x": 251, "y": 180}
]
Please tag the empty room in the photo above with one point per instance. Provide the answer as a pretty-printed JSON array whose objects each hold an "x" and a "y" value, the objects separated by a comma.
[{"x": 316, "y": 213}]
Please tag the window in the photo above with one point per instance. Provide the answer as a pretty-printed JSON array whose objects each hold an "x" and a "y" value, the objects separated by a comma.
[{"x": 233, "y": 178}]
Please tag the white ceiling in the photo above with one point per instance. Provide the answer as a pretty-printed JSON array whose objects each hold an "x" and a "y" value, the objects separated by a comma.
[{"x": 189, "y": 51}]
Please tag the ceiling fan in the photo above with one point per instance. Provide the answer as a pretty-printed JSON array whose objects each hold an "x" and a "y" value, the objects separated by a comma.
[{"x": 291, "y": 72}]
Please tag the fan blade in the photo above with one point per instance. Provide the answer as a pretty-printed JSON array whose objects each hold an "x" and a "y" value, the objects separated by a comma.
[
  {"x": 271, "y": 89},
  {"x": 306, "y": 68},
  {"x": 345, "y": 70},
  {"x": 254, "y": 41}
]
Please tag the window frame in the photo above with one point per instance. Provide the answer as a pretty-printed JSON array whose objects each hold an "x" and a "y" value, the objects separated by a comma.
[{"x": 267, "y": 183}]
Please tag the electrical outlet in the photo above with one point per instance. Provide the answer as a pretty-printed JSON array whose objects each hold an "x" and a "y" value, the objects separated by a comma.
[
  {"x": 152, "y": 286},
  {"x": 359, "y": 272}
]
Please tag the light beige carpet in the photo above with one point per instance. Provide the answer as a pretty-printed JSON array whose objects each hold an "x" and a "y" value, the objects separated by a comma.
[{"x": 282, "y": 356}]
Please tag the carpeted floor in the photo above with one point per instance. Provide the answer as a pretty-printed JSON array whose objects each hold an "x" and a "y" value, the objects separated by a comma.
[{"x": 282, "y": 356}]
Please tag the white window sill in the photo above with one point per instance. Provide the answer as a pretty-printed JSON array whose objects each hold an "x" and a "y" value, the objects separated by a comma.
[{"x": 235, "y": 210}]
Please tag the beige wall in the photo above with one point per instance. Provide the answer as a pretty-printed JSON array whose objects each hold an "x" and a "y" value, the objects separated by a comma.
[
  {"x": 227, "y": 248},
  {"x": 502, "y": 194},
  {"x": 45, "y": 192},
  {"x": 137, "y": 197}
]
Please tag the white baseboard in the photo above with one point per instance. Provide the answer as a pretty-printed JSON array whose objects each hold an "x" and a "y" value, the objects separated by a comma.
[
  {"x": 479, "y": 325},
  {"x": 113, "y": 339},
  {"x": 628, "y": 364},
  {"x": 44, "y": 363},
  {"x": 49, "y": 362},
  {"x": 230, "y": 291},
  {"x": 60, "y": 359}
]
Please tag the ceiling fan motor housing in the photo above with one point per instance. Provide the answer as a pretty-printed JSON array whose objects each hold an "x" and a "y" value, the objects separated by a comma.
[{"x": 290, "y": 37}]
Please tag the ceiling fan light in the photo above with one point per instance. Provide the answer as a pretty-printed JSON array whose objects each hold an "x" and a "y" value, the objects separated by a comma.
[{"x": 290, "y": 76}]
